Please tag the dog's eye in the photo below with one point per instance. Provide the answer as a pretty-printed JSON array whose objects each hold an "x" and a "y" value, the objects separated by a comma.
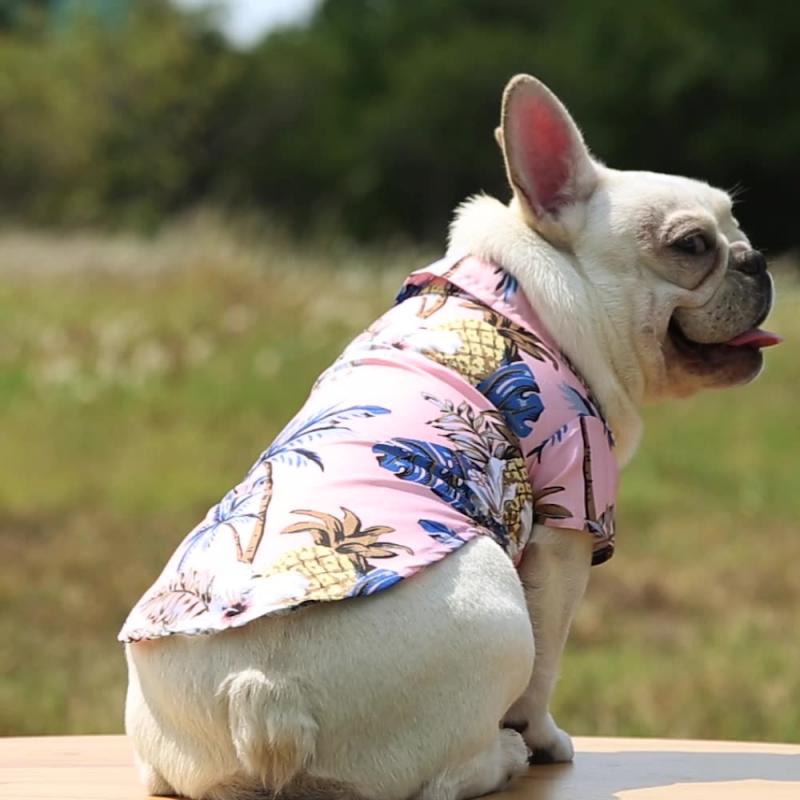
[{"x": 695, "y": 244}]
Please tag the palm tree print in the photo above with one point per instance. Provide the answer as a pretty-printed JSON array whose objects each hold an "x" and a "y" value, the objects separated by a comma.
[
  {"x": 439, "y": 287},
  {"x": 234, "y": 507},
  {"x": 292, "y": 446},
  {"x": 603, "y": 528},
  {"x": 547, "y": 510},
  {"x": 555, "y": 438},
  {"x": 601, "y": 525},
  {"x": 588, "y": 481},
  {"x": 435, "y": 296},
  {"x": 584, "y": 405}
]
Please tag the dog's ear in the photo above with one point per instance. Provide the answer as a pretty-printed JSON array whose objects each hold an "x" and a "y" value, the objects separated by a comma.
[
  {"x": 548, "y": 165},
  {"x": 498, "y": 136}
]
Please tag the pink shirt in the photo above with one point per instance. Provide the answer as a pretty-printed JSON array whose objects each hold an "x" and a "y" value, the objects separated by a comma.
[{"x": 452, "y": 416}]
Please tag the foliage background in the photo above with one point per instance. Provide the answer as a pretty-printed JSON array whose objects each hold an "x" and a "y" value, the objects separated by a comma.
[
  {"x": 150, "y": 347},
  {"x": 123, "y": 117}
]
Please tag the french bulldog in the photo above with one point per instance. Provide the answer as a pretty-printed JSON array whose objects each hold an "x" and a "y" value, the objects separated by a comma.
[{"x": 438, "y": 686}]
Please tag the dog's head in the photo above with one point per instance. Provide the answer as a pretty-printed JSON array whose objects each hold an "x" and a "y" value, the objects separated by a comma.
[{"x": 662, "y": 257}]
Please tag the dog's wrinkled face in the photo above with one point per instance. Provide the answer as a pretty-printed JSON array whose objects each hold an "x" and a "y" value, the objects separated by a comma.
[
  {"x": 662, "y": 257},
  {"x": 695, "y": 291}
]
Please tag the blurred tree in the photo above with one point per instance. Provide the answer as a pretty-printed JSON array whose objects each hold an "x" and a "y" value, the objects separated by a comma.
[
  {"x": 113, "y": 123},
  {"x": 110, "y": 12},
  {"x": 14, "y": 12},
  {"x": 377, "y": 117}
]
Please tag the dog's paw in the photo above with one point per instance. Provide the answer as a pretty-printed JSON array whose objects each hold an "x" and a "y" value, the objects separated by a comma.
[
  {"x": 488, "y": 771},
  {"x": 548, "y": 743},
  {"x": 515, "y": 753}
]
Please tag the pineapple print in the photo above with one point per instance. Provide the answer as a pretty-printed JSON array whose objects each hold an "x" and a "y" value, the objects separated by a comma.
[
  {"x": 331, "y": 576},
  {"x": 486, "y": 345},
  {"x": 482, "y": 349},
  {"x": 339, "y": 556}
]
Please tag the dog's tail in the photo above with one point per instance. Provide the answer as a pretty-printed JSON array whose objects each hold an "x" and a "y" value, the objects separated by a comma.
[{"x": 273, "y": 731}]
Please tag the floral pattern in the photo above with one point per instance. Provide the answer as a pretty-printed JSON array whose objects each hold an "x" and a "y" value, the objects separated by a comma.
[
  {"x": 452, "y": 416},
  {"x": 482, "y": 476}
]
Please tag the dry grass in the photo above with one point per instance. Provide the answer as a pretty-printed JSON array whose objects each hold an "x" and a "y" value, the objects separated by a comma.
[{"x": 138, "y": 379}]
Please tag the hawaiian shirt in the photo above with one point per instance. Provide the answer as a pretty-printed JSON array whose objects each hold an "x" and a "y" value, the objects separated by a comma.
[{"x": 452, "y": 416}]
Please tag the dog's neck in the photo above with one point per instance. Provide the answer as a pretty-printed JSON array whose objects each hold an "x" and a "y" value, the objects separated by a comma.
[{"x": 487, "y": 229}]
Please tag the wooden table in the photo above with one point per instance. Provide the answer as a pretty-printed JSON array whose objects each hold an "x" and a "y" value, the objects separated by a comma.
[{"x": 99, "y": 768}]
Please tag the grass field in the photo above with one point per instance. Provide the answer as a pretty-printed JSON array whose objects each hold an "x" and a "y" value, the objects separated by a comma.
[{"x": 138, "y": 380}]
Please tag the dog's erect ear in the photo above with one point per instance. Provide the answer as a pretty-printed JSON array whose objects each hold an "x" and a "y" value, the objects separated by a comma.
[
  {"x": 498, "y": 136},
  {"x": 548, "y": 164}
]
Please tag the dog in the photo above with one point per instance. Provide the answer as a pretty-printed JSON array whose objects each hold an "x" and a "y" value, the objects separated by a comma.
[{"x": 451, "y": 481}]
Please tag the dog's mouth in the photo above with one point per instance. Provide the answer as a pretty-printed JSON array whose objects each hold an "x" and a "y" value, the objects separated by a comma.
[
  {"x": 756, "y": 338},
  {"x": 737, "y": 360}
]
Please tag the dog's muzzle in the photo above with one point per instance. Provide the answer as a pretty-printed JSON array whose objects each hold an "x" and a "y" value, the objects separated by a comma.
[{"x": 740, "y": 304}]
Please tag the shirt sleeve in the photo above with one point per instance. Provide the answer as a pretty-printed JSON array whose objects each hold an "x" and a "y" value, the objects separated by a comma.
[{"x": 575, "y": 476}]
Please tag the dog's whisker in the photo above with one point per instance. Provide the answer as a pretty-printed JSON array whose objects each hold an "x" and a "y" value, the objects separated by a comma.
[{"x": 737, "y": 191}]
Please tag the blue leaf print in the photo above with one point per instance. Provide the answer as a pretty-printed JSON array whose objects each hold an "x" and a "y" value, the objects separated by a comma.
[
  {"x": 309, "y": 455},
  {"x": 446, "y": 472},
  {"x": 578, "y": 402},
  {"x": 584, "y": 406},
  {"x": 441, "y": 468},
  {"x": 507, "y": 284},
  {"x": 550, "y": 440},
  {"x": 513, "y": 390},
  {"x": 375, "y": 580},
  {"x": 406, "y": 291},
  {"x": 442, "y": 534}
]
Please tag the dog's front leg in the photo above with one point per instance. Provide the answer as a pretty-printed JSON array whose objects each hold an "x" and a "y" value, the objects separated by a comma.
[{"x": 554, "y": 573}]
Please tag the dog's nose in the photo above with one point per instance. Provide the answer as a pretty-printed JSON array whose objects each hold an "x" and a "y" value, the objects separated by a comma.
[{"x": 751, "y": 262}]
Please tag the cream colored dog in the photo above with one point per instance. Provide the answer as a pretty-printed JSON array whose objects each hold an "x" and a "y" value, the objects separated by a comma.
[{"x": 652, "y": 290}]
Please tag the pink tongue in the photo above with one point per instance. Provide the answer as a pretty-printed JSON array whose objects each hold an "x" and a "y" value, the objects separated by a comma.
[{"x": 755, "y": 338}]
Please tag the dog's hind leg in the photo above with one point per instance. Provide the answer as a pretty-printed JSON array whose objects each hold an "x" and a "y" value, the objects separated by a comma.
[
  {"x": 152, "y": 780},
  {"x": 487, "y": 771}
]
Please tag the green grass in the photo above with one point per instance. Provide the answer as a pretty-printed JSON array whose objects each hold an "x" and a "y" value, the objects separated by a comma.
[{"x": 138, "y": 380}]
